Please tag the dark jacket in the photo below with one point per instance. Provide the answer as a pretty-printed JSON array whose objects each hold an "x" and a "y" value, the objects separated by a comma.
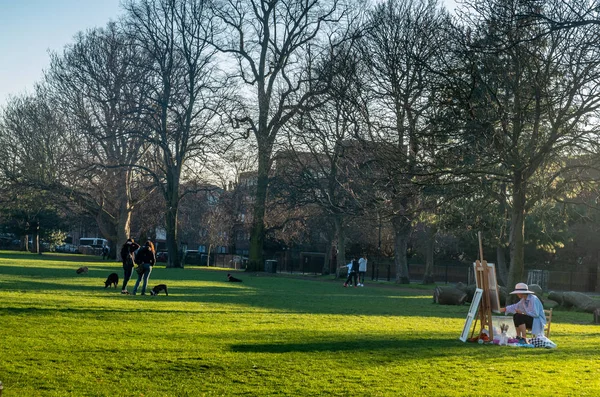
[
  {"x": 355, "y": 266},
  {"x": 145, "y": 255},
  {"x": 127, "y": 253}
]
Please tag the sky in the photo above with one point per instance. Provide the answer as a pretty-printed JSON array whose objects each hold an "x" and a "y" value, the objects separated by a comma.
[{"x": 30, "y": 29}]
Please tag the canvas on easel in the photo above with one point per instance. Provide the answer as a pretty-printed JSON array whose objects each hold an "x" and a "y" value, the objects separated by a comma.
[
  {"x": 485, "y": 311},
  {"x": 483, "y": 275},
  {"x": 471, "y": 315},
  {"x": 492, "y": 287}
]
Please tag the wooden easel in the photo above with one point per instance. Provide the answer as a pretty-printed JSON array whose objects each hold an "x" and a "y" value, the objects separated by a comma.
[{"x": 485, "y": 307}]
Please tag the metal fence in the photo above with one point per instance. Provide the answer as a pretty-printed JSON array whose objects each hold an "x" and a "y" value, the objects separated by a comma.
[{"x": 579, "y": 279}]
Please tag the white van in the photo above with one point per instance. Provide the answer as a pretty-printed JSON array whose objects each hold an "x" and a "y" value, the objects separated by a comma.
[{"x": 94, "y": 242}]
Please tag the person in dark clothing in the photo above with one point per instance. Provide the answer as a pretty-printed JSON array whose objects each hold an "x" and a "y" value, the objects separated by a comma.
[
  {"x": 127, "y": 251},
  {"x": 353, "y": 273},
  {"x": 147, "y": 258},
  {"x": 105, "y": 252}
]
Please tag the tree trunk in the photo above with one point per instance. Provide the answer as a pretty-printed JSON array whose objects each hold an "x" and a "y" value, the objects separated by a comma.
[
  {"x": 327, "y": 261},
  {"x": 123, "y": 231},
  {"x": 429, "y": 253},
  {"x": 257, "y": 236},
  {"x": 172, "y": 200},
  {"x": 172, "y": 239},
  {"x": 501, "y": 266},
  {"x": 124, "y": 223},
  {"x": 340, "y": 233},
  {"x": 401, "y": 230},
  {"x": 37, "y": 240},
  {"x": 517, "y": 234},
  {"x": 597, "y": 288}
]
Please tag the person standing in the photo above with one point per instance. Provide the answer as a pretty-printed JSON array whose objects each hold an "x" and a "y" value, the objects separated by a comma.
[
  {"x": 147, "y": 259},
  {"x": 127, "y": 252},
  {"x": 362, "y": 270},
  {"x": 353, "y": 273}
]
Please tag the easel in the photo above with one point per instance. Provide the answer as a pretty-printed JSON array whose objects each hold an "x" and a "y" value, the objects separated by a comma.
[{"x": 485, "y": 307}]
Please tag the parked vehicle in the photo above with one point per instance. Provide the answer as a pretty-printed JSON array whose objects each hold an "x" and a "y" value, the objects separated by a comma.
[
  {"x": 70, "y": 248},
  {"x": 162, "y": 256},
  {"x": 94, "y": 242},
  {"x": 193, "y": 257}
]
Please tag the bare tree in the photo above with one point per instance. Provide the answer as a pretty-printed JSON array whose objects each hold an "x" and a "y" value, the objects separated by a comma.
[
  {"x": 183, "y": 99},
  {"x": 35, "y": 156},
  {"x": 321, "y": 166},
  {"x": 97, "y": 88},
  {"x": 402, "y": 43},
  {"x": 270, "y": 42}
]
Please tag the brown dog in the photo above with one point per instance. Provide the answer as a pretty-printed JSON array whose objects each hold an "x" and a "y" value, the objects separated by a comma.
[
  {"x": 112, "y": 279},
  {"x": 158, "y": 288},
  {"x": 82, "y": 269}
]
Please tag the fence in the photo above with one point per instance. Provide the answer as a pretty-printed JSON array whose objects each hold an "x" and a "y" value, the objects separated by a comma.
[
  {"x": 441, "y": 273},
  {"x": 583, "y": 279}
]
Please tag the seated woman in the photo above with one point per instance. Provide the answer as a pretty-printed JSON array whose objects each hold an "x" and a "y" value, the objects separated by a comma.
[{"x": 528, "y": 313}]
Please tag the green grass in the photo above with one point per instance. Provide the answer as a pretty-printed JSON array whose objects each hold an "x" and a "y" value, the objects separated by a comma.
[{"x": 63, "y": 334}]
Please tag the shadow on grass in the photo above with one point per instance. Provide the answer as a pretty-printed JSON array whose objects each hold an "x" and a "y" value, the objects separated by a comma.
[
  {"x": 49, "y": 256},
  {"x": 406, "y": 348},
  {"x": 354, "y": 345},
  {"x": 260, "y": 291}
]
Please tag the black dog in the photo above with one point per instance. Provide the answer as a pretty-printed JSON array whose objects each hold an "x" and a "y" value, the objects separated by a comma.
[
  {"x": 112, "y": 279},
  {"x": 158, "y": 288},
  {"x": 233, "y": 279}
]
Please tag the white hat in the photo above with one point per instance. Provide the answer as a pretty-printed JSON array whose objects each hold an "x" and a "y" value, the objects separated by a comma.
[{"x": 521, "y": 288}]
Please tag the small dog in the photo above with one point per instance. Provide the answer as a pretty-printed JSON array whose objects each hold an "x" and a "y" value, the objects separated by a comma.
[
  {"x": 233, "y": 279},
  {"x": 158, "y": 288},
  {"x": 82, "y": 269},
  {"x": 112, "y": 279}
]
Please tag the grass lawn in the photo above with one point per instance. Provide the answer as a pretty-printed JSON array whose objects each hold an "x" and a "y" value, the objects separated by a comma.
[{"x": 63, "y": 334}]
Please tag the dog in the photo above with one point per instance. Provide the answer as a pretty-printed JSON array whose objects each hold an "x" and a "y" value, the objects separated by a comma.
[
  {"x": 158, "y": 288},
  {"x": 82, "y": 269},
  {"x": 112, "y": 279},
  {"x": 233, "y": 279}
]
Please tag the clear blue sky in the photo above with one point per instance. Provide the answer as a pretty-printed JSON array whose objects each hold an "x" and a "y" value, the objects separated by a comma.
[{"x": 31, "y": 28}]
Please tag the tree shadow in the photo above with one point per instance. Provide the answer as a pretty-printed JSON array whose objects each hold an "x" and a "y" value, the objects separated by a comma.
[
  {"x": 407, "y": 346},
  {"x": 259, "y": 291}
]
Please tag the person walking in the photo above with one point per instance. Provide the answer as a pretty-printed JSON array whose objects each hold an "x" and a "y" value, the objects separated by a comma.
[
  {"x": 353, "y": 273},
  {"x": 127, "y": 252},
  {"x": 147, "y": 259},
  {"x": 362, "y": 270}
]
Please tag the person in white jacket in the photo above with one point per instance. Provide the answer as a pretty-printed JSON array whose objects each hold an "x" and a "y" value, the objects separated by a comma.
[
  {"x": 362, "y": 270},
  {"x": 528, "y": 312}
]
